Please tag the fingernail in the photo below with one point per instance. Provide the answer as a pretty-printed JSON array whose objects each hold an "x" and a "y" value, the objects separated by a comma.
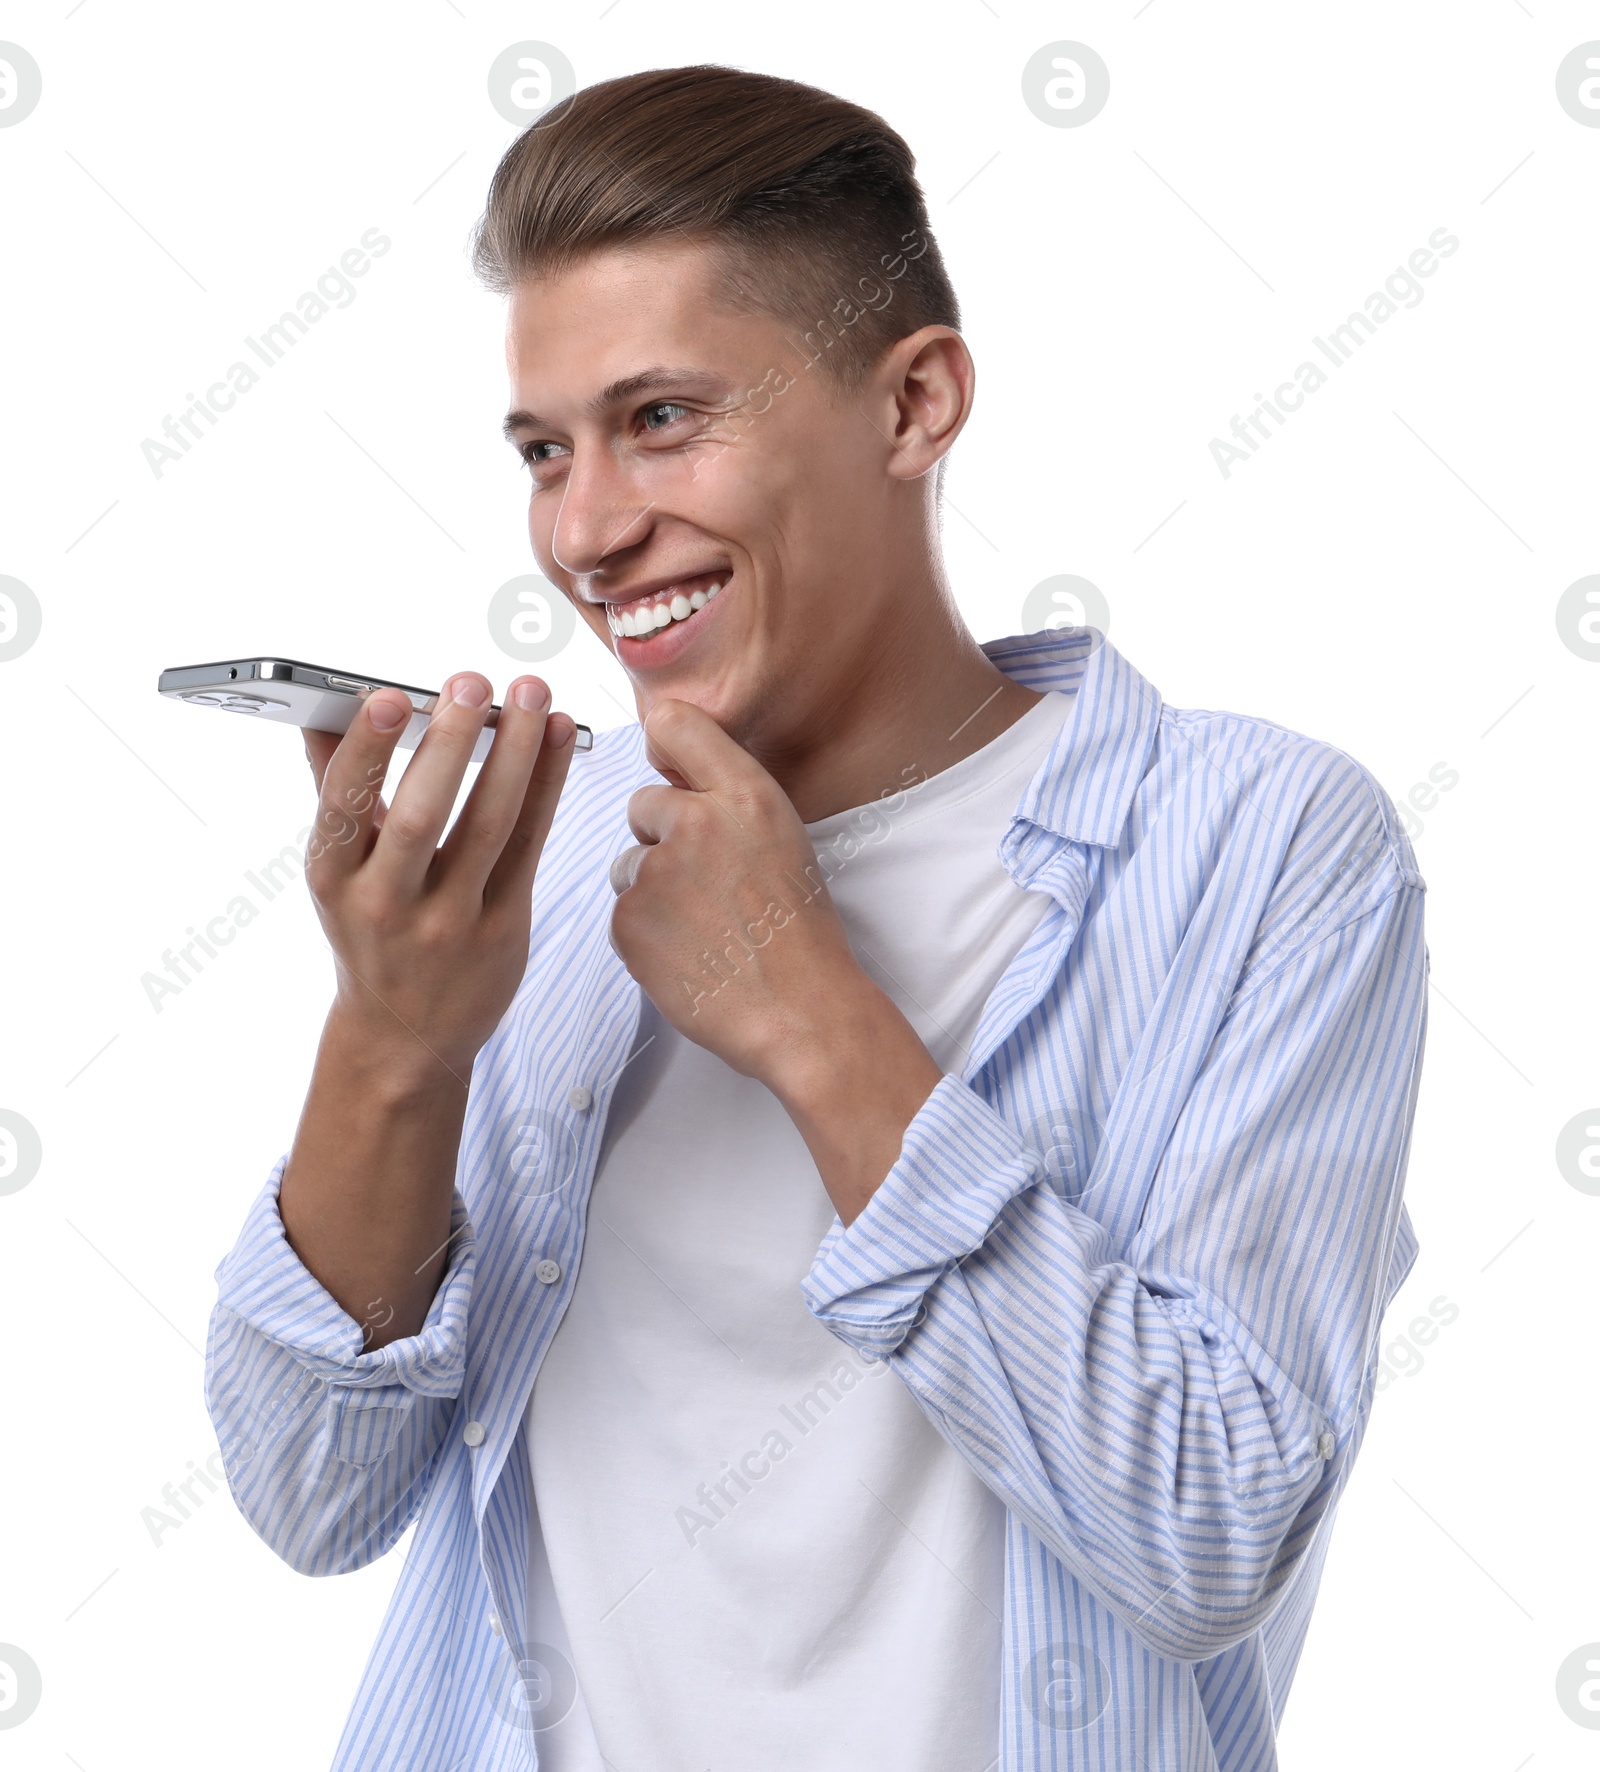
[
  {"x": 470, "y": 692},
  {"x": 531, "y": 697},
  {"x": 385, "y": 715}
]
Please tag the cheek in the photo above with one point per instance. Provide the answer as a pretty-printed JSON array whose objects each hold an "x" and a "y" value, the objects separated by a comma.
[
  {"x": 755, "y": 474},
  {"x": 718, "y": 490}
]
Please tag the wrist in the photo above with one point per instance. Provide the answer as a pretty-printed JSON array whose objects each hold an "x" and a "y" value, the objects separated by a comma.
[
  {"x": 850, "y": 1027},
  {"x": 386, "y": 1061}
]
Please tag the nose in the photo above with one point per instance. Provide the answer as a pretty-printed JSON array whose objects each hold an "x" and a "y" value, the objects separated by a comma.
[{"x": 601, "y": 512}]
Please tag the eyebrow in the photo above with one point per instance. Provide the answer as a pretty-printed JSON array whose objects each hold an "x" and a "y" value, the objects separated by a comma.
[{"x": 656, "y": 379}]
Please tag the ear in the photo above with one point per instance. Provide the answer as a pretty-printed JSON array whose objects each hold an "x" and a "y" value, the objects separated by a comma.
[{"x": 933, "y": 385}]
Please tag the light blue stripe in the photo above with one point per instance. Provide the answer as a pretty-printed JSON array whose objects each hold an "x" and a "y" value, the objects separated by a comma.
[{"x": 1131, "y": 1263}]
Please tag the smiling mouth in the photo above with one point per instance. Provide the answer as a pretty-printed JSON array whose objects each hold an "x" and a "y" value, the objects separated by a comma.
[{"x": 646, "y": 616}]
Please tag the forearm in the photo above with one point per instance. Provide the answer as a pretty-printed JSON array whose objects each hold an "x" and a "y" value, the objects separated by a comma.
[
  {"x": 853, "y": 1089},
  {"x": 365, "y": 1197}
]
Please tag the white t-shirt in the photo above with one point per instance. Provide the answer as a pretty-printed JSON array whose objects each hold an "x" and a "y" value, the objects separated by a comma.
[{"x": 749, "y": 1541}]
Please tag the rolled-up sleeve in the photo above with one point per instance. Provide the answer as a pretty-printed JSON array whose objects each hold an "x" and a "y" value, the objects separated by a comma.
[
  {"x": 328, "y": 1449},
  {"x": 1171, "y": 1413}
]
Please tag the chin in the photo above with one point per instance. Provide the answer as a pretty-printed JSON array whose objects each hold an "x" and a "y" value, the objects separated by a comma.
[{"x": 731, "y": 705}]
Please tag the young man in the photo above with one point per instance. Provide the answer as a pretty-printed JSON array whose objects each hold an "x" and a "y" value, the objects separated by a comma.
[{"x": 872, "y": 1256}]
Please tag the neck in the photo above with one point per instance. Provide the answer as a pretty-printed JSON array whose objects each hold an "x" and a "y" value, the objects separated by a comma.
[{"x": 911, "y": 699}]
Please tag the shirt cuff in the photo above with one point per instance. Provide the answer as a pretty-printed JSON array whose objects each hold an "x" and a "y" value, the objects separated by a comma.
[
  {"x": 959, "y": 1166},
  {"x": 264, "y": 1282}
]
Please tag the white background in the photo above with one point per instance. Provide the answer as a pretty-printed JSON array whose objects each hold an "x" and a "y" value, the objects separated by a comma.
[{"x": 1382, "y": 574}]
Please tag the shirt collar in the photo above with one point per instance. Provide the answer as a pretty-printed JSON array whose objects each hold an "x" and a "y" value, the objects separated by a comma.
[{"x": 1084, "y": 789}]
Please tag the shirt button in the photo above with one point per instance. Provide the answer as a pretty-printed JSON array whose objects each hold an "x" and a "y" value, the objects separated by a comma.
[
  {"x": 1325, "y": 1446},
  {"x": 473, "y": 1433},
  {"x": 549, "y": 1272},
  {"x": 580, "y": 1098},
  {"x": 494, "y": 1624}
]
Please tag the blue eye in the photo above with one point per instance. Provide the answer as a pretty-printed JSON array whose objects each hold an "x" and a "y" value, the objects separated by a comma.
[{"x": 664, "y": 406}]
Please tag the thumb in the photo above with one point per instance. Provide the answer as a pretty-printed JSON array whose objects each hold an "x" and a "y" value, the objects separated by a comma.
[{"x": 684, "y": 743}]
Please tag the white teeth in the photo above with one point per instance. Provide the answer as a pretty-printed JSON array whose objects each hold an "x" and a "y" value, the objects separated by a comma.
[{"x": 637, "y": 619}]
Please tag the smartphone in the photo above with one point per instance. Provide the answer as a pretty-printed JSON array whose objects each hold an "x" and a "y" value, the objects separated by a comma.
[{"x": 296, "y": 694}]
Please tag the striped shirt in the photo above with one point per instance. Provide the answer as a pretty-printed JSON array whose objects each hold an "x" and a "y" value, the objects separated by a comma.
[{"x": 1131, "y": 1261}]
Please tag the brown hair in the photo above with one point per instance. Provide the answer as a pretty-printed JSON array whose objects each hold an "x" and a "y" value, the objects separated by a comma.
[{"x": 809, "y": 204}]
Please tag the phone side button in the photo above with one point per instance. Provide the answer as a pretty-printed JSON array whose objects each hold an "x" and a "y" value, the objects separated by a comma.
[{"x": 350, "y": 683}]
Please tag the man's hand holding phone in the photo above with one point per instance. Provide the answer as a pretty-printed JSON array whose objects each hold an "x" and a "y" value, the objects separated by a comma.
[{"x": 430, "y": 938}]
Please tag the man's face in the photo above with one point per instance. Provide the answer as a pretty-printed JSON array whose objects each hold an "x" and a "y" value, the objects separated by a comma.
[{"x": 718, "y": 519}]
